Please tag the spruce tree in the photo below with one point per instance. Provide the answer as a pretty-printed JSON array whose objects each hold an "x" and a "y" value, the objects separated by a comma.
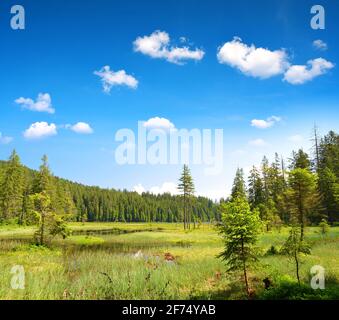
[
  {"x": 240, "y": 228},
  {"x": 186, "y": 187},
  {"x": 302, "y": 196},
  {"x": 239, "y": 187},
  {"x": 12, "y": 189}
]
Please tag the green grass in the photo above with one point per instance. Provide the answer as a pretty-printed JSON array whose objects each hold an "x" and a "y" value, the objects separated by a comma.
[{"x": 100, "y": 261}]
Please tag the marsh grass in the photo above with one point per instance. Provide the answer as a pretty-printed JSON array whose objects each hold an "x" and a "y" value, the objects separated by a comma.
[{"x": 130, "y": 264}]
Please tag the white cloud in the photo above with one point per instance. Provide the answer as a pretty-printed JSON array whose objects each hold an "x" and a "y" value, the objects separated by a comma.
[
  {"x": 81, "y": 127},
  {"x": 252, "y": 61},
  {"x": 40, "y": 130},
  {"x": 320, "y": 45},
  {"x": 43, "y": 103},
  {"x": 258, "y": 143},
  {"x": 264, "y": 124},
  {"x": 159, "y": 123},
  {"x": 166, "y": 187},
  {"x": 110, "y": 78},
  {"x": 215, "y": 194},
  {"x": 157, "y": 45},
  {"x": 299, "y": 74},
  {"x": 296, "y": 138},
  {"x": 139, "y": 188},
  {"x": 5, "y": 140}
]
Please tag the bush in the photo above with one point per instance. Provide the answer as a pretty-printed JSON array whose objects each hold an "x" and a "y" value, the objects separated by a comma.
[
  {"x": 288, "y": 290},
  {"x": 272, "y": 251}
]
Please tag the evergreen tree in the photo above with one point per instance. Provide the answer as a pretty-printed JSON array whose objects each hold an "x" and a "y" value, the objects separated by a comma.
[
  {"x": 300, "y": 160},
  {"x": 328, "y": 171},
  {"x": 240, "y": 229},
  {"x": 293, "y": 247},
  {"x": 329, "y": 189},
  {"x": 239, "y": 187},
  {"x": 49, "y": 224},
  {"x": 44, "y": 179},
  {"x": 256, "y": 194},
  {"x": 186, "y": 187},
  {"x": 303, "y": 196},
  {"x": 12, "y": 189}
]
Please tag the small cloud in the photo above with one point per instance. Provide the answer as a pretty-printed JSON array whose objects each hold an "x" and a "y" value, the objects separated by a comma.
[
  {"x": 299, "y": 74},
  {"x": 166, "y": 187},
  {"x": 215, "y": 194},
  {"x": 320, "y": 45},
  {"x": 157, "y": 45},
  {"x": 39, "y": 130},
  {"x": 252, "y": 61},
  {"x": 296, "y": 138},
  {"x": 159, "y": 123},
  {"x": 258, "y": 143},
  {"x": 264, "y": 124},
  {"x": 43, "y": 103},
  {"x": 81, "y": 128},
  {"x": 110, "y": 78},
  {"x": 139, "y": 188},
  {"x": 5, "y": 140}
]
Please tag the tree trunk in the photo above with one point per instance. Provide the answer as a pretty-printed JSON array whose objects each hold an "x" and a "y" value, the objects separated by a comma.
[
  {"x": 297, "y": 266},
  {"x": 42, "y": 229},
  {"x": 301, "y": 215},
  {"x": 244, "y": 269}
]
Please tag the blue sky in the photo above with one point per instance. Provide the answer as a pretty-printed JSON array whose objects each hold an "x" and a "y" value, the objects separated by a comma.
[{"x": 65, "y": 42}]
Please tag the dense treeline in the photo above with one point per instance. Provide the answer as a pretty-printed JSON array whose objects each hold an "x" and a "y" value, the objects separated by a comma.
[
  {"x": 78, "y": 202},
  {"x": 305, "y": 191}
]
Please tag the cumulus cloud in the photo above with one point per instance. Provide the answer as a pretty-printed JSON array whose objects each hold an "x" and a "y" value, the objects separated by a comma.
[
  {"x": 81, "y": 128},
  {"x": 157, "y": 45},
  {"x": 5, "y": 140},
  {"x": 166, "y": 187},
  {"x": 40, "y": 130},
  {"x": 258, "y": 143},
  {"x": 159, "y": 123},
  {"x": 255, "y": 62},
  {"x": 299, "y": 74},
  {"x": 320, "y": 45},
  {"x": 43, "y": 103},
  {"x": 215, "y": 194},
  {"x": 264, "y": 124},
  {"x": 139, "y": 188},
  {"x": 109, "y": 78}
]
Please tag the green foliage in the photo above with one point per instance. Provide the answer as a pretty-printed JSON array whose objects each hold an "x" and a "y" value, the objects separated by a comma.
[
  {"x": 239, "y": 187},
  {"x": 272, "y": 251},
  {"x": 324, "y": 227},
  {"x": 186, "y": 187},
  {"x": 300, "y": 160},
  {"x": 77, "y": 202},
  {"x": 49, "y": 224},
  {"x": 303, "y": 196},
  {"x": 293, "y": 247},
  {"x": 240, "y": 229},
  {"x": 290, "y": 290},
  {"x": 12, "y": 189}
]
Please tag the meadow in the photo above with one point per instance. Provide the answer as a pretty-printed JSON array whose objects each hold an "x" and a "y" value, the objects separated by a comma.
[{"x": 156, "y": 261}]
